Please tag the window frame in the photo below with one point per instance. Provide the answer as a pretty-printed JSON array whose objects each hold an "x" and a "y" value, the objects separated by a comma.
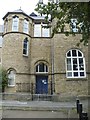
[
  {"x": 42, "y": 30},
  {"x": 73, "y": 71},
  {"x": 26, "y": 26},
  {"x": 15, "y": 23},
  {"x": 27, "y": 44},
  {"x": 38, "y": 66},
  {"x": 11, "y": 85}
]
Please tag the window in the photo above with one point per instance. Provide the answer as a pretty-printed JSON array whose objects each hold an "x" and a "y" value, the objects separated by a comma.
[
  {"x": 74, "y": 25},
  {"x": 41, "y": 30},
  {"x": 11, "y": 78},
  {"x": 25, "y": 26},
  {"x": 41, "y": 67},
  {"x": 15, "y": 23},
  {"x": 25, "y": 47},
  {"x": 6, "y": 25},
  {"x": 75, "y": 64}
]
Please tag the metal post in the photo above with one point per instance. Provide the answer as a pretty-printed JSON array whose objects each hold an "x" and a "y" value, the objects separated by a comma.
[
  {"x": 77, "y": 104},
  {"x": 80, "y": 111}
]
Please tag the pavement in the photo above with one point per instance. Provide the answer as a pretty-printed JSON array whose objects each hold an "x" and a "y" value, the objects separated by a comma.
[
  {"x": 41, "y": 105},
  {"x": 63, "y": 108}
]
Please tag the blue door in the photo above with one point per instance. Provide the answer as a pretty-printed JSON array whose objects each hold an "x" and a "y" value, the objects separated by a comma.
[{"x": 41, "y": 84}]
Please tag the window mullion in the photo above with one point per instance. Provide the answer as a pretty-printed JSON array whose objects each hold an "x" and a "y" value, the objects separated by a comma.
[
  {"x": 72, "y": 63},
  {"x": 78, "y": 66}
]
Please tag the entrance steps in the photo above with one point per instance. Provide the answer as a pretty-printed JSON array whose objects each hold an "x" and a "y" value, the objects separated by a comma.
[{"x": 42, "y": 97}]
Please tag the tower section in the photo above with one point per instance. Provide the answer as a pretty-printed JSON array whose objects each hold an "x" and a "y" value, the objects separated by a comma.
[{"x": 16, "y": 47}]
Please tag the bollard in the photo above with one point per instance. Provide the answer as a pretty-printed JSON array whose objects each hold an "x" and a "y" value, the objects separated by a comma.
[
  {"x": 80, "y": 111},
  {"x": 84, "y": 116},
  {"x": 77, "y": 104}
]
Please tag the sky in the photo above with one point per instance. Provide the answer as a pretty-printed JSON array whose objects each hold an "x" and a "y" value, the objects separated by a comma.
[{"x": 27, "y": 6}]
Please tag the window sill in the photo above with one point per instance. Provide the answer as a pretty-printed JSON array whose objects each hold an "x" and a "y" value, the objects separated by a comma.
[
  {"x": 41, "y": 73},
  {"x": 76, "y": 79},
  {"x": 25, "y": 55},
  {"x": 11, "y": 85}
]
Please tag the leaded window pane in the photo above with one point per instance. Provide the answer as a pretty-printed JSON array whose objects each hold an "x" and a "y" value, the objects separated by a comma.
[
  {"x": 75, "y": 74},
  {"x": 69, "y": 74},
  {"x": 25, "y": 47},
  {"x": 69, "y": 54},
  {"x": 41, "y": 67},
  {"x": 75, "y": 64},
  {"x": 69, "y": 67},
  {"x": 74, "y": 53},
  {"x": 15, "y": 24},
  {"x": 79, "y": 54},
  {"x": 81, "y": 73}
]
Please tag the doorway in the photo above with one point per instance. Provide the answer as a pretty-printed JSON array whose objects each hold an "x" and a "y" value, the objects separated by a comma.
[{"x": 41, "y": 84}]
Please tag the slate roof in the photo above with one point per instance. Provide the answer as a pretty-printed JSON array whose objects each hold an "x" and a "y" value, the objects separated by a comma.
[{"x": 33, "y": 16}]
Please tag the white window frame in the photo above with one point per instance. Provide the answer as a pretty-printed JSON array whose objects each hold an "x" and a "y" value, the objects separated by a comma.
[
  {"x": 40, "y": 30},
  {"x": 12, "y": 78},
  {"x": 44, "y": 68},
  {"x": 26, "y": 49},
  {"x": 25, "y": 26},
  {"x": 6, "y": 26},
  {"x": 72, "y": 71},
  {"x": 74, "y": 22},
  {"x": 15, "y": 23}
]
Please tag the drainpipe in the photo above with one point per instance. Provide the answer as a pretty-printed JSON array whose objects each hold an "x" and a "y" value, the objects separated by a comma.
[{"x": 52, "y": 66}]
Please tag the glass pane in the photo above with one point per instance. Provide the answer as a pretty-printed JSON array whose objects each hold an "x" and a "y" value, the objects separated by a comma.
[
  {"x": 45, "y": 32},
  {"x": 25, "y": 45},
  {"x": 74, "y": 53},
  {"x": 15, "y": 24},
  {"x": 81, "y": 73},
  {"x": 25, "y": 26},
  {"x": 75, "y": 74},
  {"x": 46, "y": 68},
  {"x": 75, "y": 66},
  {"x": 41, "y": 67},
  {"x": 80, "y": 60},
  {"x": 37, "y": 68},
  {"x": 74, "y": 60},
  {"x": 68, "y": 60},
  {"x": 11, "y": 77},
  {"x": 69, "y": 67},
  {"x": 37, "y": 30},
  {"x": 69, "y": 54},
  {"x": 69, "y": 74},
  {"x": 24, "y": 51},
  {"x": 81, "y": 67},
  {"x": 79, "y": 54}
]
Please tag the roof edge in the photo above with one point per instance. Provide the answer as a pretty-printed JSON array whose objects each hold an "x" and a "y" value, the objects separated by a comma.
[{"x": 15, "y": 13}]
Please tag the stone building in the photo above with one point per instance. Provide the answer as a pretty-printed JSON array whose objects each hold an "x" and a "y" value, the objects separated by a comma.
[{"x": 31, "y": 55}]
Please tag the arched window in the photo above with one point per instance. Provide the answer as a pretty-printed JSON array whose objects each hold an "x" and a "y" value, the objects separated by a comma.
[
  {"x": 6, "y": 25},
  {"x": 75, "y": 64},
  {"x": 41, "y": 67},
  {"x": 25, "y": 47},
  {"x": 11, "y": 78},
  {"x": 15, "y": 23},
  {"x": 25, "y": 26}
]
